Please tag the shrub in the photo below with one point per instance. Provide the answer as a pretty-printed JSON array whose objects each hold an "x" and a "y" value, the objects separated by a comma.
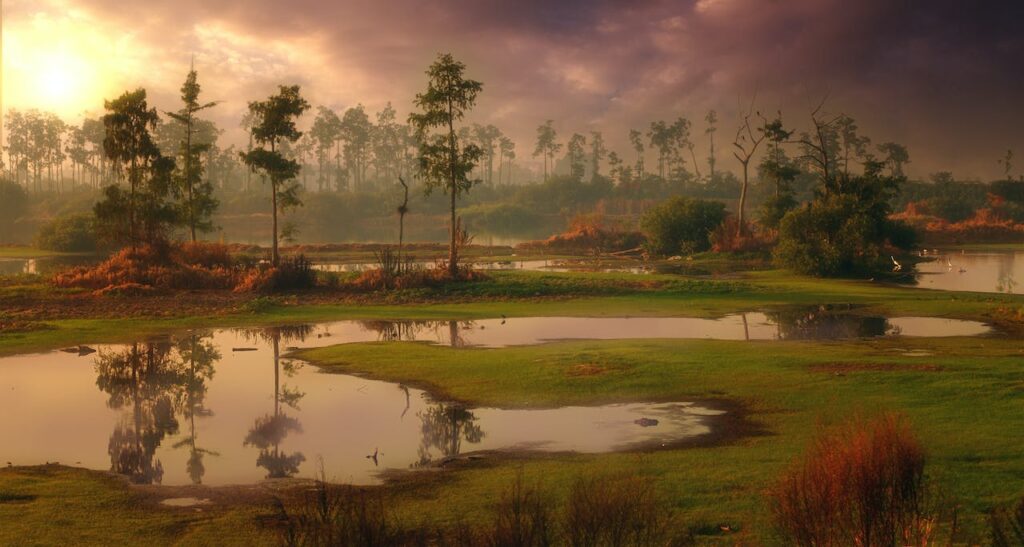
[
  {"x": 726, "y": 238},
  {"x": 68, "y": 233},
  {"x": 338, "y": 515},
  {"x": 861, "y": 484},
  {"x": 589, "y": 233},
  {"x": 13, "y": 204},
  {"x": 834, "y": 237},
  {"x": 615, "y": 510},
  {"x": 1008, "y": 526},
  {"x": 681, "y": 225},
  {"x": 524, "y": 518}
]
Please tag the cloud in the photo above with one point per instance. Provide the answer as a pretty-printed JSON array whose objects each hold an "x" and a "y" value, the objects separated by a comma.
[{"x": 939, "y": 76}]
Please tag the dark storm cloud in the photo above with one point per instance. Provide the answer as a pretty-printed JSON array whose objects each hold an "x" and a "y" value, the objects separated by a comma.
[{"x": 943, "y": 77}]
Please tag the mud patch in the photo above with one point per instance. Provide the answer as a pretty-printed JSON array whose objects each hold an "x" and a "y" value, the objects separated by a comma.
[
  {"x": 6, "y": 497},
  {"x": 843, "y": 368},
  {"x": 185, "y": 502},
  {"x": 586, "y": 369}
]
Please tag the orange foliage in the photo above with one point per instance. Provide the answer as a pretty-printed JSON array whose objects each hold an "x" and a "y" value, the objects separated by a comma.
[
  {"x": 378, "y": 279},
  {"x": 190, "y": 266},
  {"x": 589, "y": 232},
  {"x": 861, "y": 484},
  {"x": 725, "y": 239}
]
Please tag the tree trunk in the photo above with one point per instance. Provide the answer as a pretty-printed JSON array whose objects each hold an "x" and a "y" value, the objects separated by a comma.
[
  {"x": 743, "y": 202},
  {"x": 274, "y": 257}
]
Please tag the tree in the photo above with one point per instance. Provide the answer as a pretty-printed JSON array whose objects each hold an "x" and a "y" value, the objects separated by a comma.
[
  {"x": 13, "y": 204},
  {"x": 444, "y": 162},
  {"x": 598, "y": 152},
  {"x": 274, "y": 123},
  {"x": 129, "y": 145},
  {"x": 780, "y": 171},
  {"x": 746, "y": 142},
  {"x": 636, "y": 139},
  {"x": 852, "y": 143},
  {"x": 507, "y": 150},
  {"x": 846, "y": 231},
  {"x": 356, "y": 133},
  {"x": 576, "y": 156},
  {"x": 199, "y": 202},
  {"x": 681, "y": 225},
  {"x": 894, "y": 156},
  {"x": 547, "y": 145},
  {"x": 712, "y": 120},
  {"x": 325, "y": 132},
  {"x": 488, "y": 137}
]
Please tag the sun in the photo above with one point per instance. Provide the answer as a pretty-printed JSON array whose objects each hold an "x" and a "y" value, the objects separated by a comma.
[
  {"x": 60, "y": 65},
  {"x": 62, "y": 83}
]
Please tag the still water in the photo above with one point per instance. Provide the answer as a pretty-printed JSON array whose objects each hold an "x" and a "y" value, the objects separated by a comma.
[
  {"x": 199, "y": 409},
  {"x": 994, "y": 272},
  {"x": 229, "y": 406}
]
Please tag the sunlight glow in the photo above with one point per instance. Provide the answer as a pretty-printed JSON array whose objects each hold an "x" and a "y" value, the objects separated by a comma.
[{"x": 65, "y": 65}]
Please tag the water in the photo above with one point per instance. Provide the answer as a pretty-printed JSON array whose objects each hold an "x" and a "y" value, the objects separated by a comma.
[
  {"x": 193, "y": 410},
  {"x": 228, "y": 407},
  {"x": 545, "y": 265},
  {"x": 790, "y": 324},
  {"x": 43, "y": 265},
  {"x": 992, "y": 272}
]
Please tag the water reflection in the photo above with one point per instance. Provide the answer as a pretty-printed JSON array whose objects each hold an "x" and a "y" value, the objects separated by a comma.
[
  {"x": 197, "y": 409},
  {"x": 445, "y": 427},
  {"x": 270, "y": 430},
  {"x": 957, "y": 270}
]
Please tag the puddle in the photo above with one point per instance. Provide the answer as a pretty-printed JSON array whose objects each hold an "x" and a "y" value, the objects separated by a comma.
[
  {"x": 44, "y": 265},
  {"x": 224, "y": 406},
  {"x": 559, "y": 265},
  {"x": 785, "y": 325},
  {"x": 189, "y": 410},
  {"x": 992, "y": 272}
]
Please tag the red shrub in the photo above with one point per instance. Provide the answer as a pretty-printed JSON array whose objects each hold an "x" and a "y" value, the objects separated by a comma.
[
  {"x": 726, "y": 239},
  {"x": 861, "y": 484}
]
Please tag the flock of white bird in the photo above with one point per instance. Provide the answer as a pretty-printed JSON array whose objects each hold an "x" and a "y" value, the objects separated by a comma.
[{"x": 896, "y": 266}]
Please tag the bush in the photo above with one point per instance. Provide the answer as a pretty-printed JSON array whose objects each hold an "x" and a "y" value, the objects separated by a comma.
[
  {"x": 1008, "y": 526},
  {"x": 834, "y": 237},
  {"x": 861, "y": 484},
  {"x": 68, "y": 233},
  {"x": 13, "y": 204},
  {"x": 588, "y": 233},
  {"x": 681, "y": 225},
  {"x": 617, "y": 510}
]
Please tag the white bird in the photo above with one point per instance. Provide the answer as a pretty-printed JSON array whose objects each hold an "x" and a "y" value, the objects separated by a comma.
[
  {"x": 949, "y": 265},
  {"x": 896, "y": 265}
]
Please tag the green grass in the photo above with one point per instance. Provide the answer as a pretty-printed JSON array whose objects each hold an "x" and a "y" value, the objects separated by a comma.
[
  {"x": 51, "y": 505},
  {"x": 970, "y": 414},
  {"x": 19, "y": 251},
  {"x": 519, "y": 294}
]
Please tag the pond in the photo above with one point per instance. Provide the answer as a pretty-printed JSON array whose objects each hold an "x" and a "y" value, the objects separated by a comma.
[
  {"x": 43, "y": 265},
  {"x": 229, "y": 407},
  {"x": 193, "y": 410},
  {"x": 955, "y": 270}
]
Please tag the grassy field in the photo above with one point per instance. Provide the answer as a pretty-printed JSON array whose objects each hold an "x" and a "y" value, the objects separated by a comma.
[{"x": 965, "y": 398}]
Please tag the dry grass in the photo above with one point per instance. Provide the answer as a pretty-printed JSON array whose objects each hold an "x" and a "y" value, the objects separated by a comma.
[{"x": 859, "y": 484}]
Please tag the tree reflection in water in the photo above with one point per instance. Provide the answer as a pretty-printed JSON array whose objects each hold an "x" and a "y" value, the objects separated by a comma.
[
  {"x": 398, "y": 331},
  {"x": 444, "y": 427},
  {"x": 269, "y": 431},
  {"x": 821, "y": 323},
  {"x": 198, "y": 356},
  {"x": 156, "y": 381}
]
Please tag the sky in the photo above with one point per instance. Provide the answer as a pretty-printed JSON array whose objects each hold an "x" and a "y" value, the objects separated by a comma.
[{"x": 942, "y": 77}]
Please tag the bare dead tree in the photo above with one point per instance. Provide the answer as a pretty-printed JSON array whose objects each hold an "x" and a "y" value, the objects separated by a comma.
[
  {"x": 747, "y": 141},
  {"x": 817, "y": 145},
  {"x": 402, "y": 210}
]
